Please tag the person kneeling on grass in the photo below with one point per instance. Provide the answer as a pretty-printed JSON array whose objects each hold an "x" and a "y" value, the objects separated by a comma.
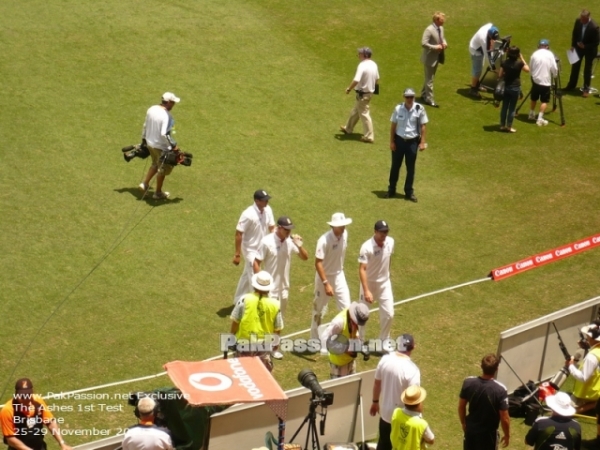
[{"x": 409, "y": 430}]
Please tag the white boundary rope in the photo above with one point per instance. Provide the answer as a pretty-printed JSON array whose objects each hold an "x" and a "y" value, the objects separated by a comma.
[{"x": 297, "y": 333}]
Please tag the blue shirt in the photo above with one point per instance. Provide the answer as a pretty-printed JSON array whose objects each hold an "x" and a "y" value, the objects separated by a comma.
[{"x": 408, "y": 122}]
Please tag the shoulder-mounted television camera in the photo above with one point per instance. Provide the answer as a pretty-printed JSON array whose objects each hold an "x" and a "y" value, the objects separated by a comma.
[{"x": 170, "y": 157}]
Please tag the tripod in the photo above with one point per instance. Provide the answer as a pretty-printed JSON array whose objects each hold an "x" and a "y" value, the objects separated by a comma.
[
  {"x": 496, "y": 54},
  {"x": 312, "y": 426},
  {"x": 555, "y": 92}
]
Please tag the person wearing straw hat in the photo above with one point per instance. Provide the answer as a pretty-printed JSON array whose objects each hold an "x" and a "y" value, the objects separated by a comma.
[
  {"x": 330, "y": 280},
  {"x": 559, "y": 431},
  {"x": 342, "y": 339},
  {"x": 255, "y": 316},
  {"x": 409, "y": 430}
]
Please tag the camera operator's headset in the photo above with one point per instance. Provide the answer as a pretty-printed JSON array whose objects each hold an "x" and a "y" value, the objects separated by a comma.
[
  {"x": 594, "y": 331},
  {"x": 154, "y": 412}
]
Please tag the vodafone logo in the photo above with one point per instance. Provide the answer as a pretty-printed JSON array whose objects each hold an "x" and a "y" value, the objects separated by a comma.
[
  {"x": 581, "y": 245},
  {"x": 596, "y": 239},
  {"x": 198, "y": 381}
]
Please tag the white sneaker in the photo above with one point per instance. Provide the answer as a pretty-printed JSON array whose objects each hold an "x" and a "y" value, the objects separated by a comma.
[
  {"x": 531, "y": 116},
  {"x": 324, "y": 352},
  {"x": 143, "y": 187},
  {"x": 541, "y": 122},
  {"x": 277, "y": 354},
  {"x": 160, "y": 195}
]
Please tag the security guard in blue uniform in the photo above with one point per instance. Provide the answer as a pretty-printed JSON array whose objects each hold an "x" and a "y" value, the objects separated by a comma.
[{"x": 407, "y": 138}]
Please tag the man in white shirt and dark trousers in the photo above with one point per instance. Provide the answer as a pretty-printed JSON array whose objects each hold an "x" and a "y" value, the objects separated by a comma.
[
  {"x": 146, "y": 435},
  {"x": 330, "y": 280},
  {"x": 394, "y": 374},
  {"x": 374, "y": 274},
  {"x": 157, "y": 134},
  {"x": 365, "y": 81},
  {"x": 255, "y": 223},
  {"x": 543, "y": 68},
  {"x": 407, "y": 138}
]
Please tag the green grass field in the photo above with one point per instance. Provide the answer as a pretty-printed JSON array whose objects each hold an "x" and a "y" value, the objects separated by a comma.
[{"x": 98, "y": 286}]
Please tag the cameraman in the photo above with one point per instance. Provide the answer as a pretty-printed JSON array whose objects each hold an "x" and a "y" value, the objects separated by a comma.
[
  {"x": 145, "y": 435},
  {"x": 341, "y": 336},
  {"x": 157, "y": 135},
  {"x": 480, "y": 47},
  {"x": 543, "y": 68},
  {"x": 587, "y": 376}
]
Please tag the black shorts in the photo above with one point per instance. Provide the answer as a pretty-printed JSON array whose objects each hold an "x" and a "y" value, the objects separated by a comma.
[
  {"x": 541, "y": 93},
  {"x": 481, "y": 440}
]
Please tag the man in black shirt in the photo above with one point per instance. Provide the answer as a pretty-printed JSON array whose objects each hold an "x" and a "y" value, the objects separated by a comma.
[
  {"x": 558, "y": 431},
  {"x": 488, "y": 408}
]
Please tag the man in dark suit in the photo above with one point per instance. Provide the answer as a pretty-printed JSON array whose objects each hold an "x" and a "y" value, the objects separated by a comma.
[
  {"x": 434, "y": 44},
  {"x": 585, "y": 42}
]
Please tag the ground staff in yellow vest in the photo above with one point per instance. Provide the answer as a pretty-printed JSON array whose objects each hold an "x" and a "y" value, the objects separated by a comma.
[
  {"x": 587, "y": 377},
  {"x": 341, "y": 336},
  {"x": 409, "y": 430},
  {"x": 255, "y": 316}
]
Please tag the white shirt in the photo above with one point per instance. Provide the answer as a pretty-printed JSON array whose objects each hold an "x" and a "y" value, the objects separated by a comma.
[
  {"x": 478, "y": 42},
  {"x": 331, "y": 250},
  {"x": 146, "y": 438},
  {"x": 366, "y": 76},
  {"x": 542, "y": 67},
  {"x": 590, "y": 365},
  {"x": 158, "y": 123},
  {"x": 254, "y": 225},
  {"x": 276, "y": 258},
  {"x": 377, "y": 259},
  {"x": 408, "y": 122},
  {"x": 396, "y": 371}
]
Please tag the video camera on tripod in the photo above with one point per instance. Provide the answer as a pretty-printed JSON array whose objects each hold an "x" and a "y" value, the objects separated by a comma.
[
  {"x": 500, "y": 48},
  {"x": 320, "y": 397},
  {"x": 170, "y": 157}
]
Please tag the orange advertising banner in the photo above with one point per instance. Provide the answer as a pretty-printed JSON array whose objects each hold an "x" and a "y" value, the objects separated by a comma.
[
  {"x": 225, "y": 381},
  {"x": 546, "y": 257}
]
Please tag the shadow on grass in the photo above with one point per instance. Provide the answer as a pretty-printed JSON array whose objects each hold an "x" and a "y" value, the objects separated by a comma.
[
  {"x": 348, "y": 137},
  {"x": 148, "y": 198},
  {"x": 306, "y": 355},
  {"x": 226, "y": 311},
  {"x": 493, "y": 128},
  {"x": 382, "y": 195}
]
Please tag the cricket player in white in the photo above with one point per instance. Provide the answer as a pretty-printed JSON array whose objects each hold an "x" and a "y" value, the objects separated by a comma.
[
  {"x": 374, "y": 273},
  {"x": 255, "y": 223},
  {"x": 275, "y": 255},
  {"x": 330, "y": 280}
]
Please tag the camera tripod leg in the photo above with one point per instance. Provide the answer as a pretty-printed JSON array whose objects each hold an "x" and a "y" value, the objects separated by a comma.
[
  {"x": 522, "y": 102},
  {"x": 311, "y": 433},
  {"x": 557, "y": 91}
]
